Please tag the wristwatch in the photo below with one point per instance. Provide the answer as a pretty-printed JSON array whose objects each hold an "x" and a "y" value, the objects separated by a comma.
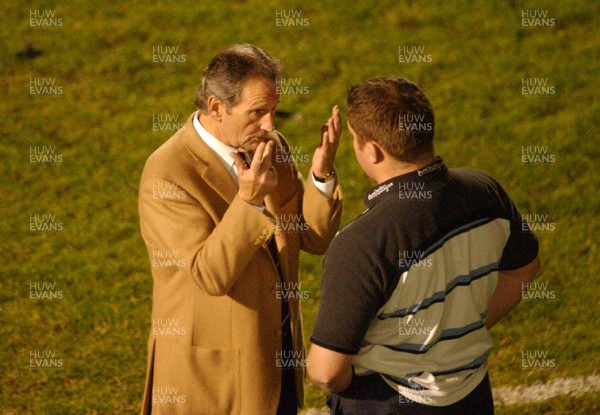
[{"x": 329, "y": 177}]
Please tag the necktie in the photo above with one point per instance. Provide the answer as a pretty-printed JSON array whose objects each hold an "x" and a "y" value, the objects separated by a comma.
[{"x": 288, "y": 402}]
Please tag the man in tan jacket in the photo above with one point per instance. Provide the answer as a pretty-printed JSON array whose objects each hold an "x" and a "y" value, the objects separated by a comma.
[{"x": 226, "y": 334}]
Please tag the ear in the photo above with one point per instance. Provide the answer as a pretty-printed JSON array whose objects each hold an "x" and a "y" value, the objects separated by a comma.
[
  {"x": 375, "y": 153},
  {"x": 215, "y": 107}
]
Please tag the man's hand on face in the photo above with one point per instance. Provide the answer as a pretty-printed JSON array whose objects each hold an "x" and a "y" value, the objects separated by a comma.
[
  {"x": 258, "y": 180},
  {"x": 324, "y": 157}
]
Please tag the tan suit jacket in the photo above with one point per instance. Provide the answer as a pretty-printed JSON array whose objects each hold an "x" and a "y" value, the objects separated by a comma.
[{"x": 216, "y": 318}]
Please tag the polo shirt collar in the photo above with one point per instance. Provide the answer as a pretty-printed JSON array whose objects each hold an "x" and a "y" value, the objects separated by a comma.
[{"x": 391, "y": 187}]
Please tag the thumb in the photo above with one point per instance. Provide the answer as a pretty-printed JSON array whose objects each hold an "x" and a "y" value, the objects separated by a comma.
[
  {"x": 239, "y": 162},
  {"x": 324, "y": 138}
]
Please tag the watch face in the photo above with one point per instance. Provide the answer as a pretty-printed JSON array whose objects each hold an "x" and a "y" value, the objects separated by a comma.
[{"x": 329, "y": 177}]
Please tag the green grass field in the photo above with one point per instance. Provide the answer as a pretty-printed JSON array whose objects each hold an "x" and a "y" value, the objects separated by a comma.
[{"x": 99, "y": 119}]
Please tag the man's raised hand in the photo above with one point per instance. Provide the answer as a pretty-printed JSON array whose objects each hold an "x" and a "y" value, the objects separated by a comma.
[
  {"x": 258, "y": 180},
  {"x": 324, "y": 157}
]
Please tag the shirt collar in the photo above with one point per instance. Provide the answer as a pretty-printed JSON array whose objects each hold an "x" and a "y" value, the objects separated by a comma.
[
  {"x": 392, "y": 186},
  {"x": 215, "y": 144}
]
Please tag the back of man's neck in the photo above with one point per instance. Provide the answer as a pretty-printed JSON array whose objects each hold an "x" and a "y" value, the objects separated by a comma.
[{"x": 398, "y": 168}]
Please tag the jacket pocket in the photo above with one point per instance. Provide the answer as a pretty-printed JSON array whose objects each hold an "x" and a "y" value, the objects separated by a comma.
[{"x": 198, "y": 381}]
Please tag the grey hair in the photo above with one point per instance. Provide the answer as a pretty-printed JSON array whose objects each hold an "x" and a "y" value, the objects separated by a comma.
[{"x": 227, "y": 72}]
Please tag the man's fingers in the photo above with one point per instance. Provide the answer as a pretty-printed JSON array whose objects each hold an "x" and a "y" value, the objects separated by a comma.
[
  {"x": 258, "y": 156},
  {"x": 324, "y": 129},
  {"x": 266, "y": 160},
  {"x": 261, "y": 160},
  {"x": 337, "y": 122},
  {"x": 332, "y": 134},
  {"x": 327, "y": 133}
]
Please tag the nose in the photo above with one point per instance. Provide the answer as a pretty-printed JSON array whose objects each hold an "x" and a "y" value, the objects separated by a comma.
[{"x": 268, "y": 122}]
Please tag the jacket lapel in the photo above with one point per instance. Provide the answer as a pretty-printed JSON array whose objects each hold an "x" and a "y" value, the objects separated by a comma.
[{"x": 210, "y": 166}]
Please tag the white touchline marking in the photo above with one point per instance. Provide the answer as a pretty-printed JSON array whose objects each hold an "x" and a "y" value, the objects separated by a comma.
[{"x": 511, "y": 395}]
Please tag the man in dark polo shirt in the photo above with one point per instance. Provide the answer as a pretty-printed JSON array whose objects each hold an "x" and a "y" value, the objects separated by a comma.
[{"x": 411, "y": 287}]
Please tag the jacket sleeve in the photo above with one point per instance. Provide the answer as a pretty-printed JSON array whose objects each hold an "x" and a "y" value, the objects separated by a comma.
[
  {"x": 215, "y": 255},
  {"x": 322, "y": 215}
]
